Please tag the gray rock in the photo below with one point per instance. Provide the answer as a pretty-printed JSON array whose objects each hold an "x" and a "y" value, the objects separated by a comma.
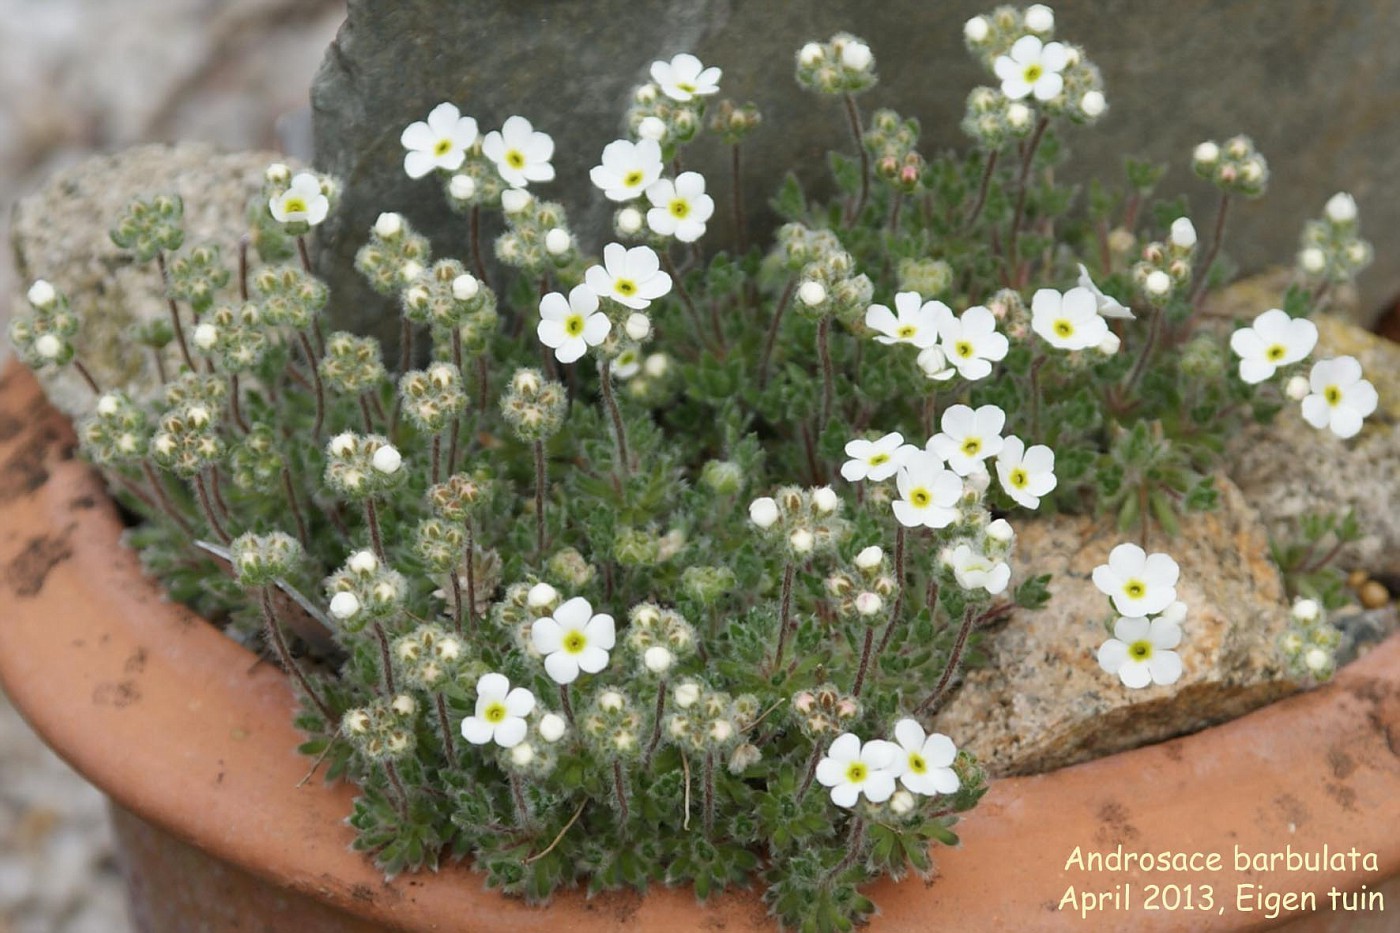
[
  {"x": 1042, "y": 701},
  {"x": 1289, "y": 469},
  {"x": 60, "y": 234},
  {"x": 1174, "y": 78},
  {"x": 1363, "y": 629}
]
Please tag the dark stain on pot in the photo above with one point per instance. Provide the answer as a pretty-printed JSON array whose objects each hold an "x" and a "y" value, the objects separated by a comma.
[
  {"x": 120, "y": 694},
  {"x": 1172, "y": 750},
  {"x": 362, "y": 892},
  {"x": 135, "y": 662},
  {"x": 1340, "y": 763},
  {"x": 1293, "y": 809},
  {"x": 1116, "y": 827},
  {"x": 1344, "y": 795},
  {"x": 82, "y": 503},
  {"x": 28, "y": 569},
  {"x": 9, "y": 426}
]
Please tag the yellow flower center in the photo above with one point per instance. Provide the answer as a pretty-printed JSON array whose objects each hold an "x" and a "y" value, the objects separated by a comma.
[
  {"x": 920, "y": 497},
  {"x": 917, "y": 764},
  {"x": 442, "y": 147},
  {"x": 971, "y": 445},
  {"x": 573, "y": 325},
  {"x": 633, "y": 178},
  {"x": 1276, "y": 352},
  {"x": 495, "y": 713},
  {"x": 877, "y": 459},
  {"x": 1063, "y": 328},
  {"x": 1135, "y": 589},
  {"x": 1018, "y": 478},
  {"x": 1033, "y": 73},
  {"x": 625, "y": 287},
  {"x": 294, "y": 206},
  {"x": 575, "y": 642},
  {"x": 1333, "y": 395},
  {"x": 963, "y": 349},
  {"x": 685, "y": 86},
  {"x": 515, "y": 158},
  {"x": 680, "y": 209},
  {"x": 907, "y": 331},
  {"x": 856, "y": 773},
  {"x": 1140, "y": 650}
]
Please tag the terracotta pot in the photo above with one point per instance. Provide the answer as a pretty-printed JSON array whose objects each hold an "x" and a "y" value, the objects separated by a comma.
[{"x": 193, "y": 743}]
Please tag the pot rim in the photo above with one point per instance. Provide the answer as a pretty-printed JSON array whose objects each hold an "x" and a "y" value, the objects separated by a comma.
[{"x": 108, "y": 672}]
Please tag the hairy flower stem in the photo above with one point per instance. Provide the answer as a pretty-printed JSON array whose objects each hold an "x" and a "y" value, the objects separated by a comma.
[
  {"x": 163, "y": 497},
  {"x": 854, "y": 845},
  {"x": 539, "y": 500},
  {"x": 620, "y": 789},
  {"x": 375, "y": 536},
  {"x": 471, "y": 577},
  {"x": 87, "y": 376},
  {"x": 895, "y": 205},
  {"x": 656, "y": 724},
  {"x": 709, "y": 793},
  {"x": 691, "y": 311},
  {"x": 771, "y": 339},
  {"x": 864, "y": 661},
  {"x": 456, "y": 587},
  {"x": 987, "y": 171},
  {"x": 320, "y": 391},
  {"x": 1022, "y": 184},
  {"x": 174, "y": 312},
  {"x": 624, "y": 461},
  {"x": 279, "y": 643},
  {"x": 828, "y": 371},
  {"x": 853, "y": 117},
  {"x": 741, "y": 230},
  {"x": 303, "y": 535},
  {"x": 436, "y": 470},
  {"x": 898, "y": 609},
  {"x": 448, "y": 745},
  {"x": 523, "y": 816},
  {"x": 969, "y": 620},
  {"x": 1140, "y": 367},
  {"x": 366, "y": 416},
  {"x": 1036, "y": 363},
  {"x": 235, "y": 410},
  {"x": 201, "y": 488},
  {"x": 392, "y": 773},
  {"x": 812, "y": 761},
  {"x": 1198, "y": 293},
  {"x": 385, "y": 661},
  {"x": 784, "y": 612},
  {"x": 304, "y": 253},
  {"x": 475, "y": 236},
  {"x": 407, "y": 338},
  {"x": 566, "y": 703}
]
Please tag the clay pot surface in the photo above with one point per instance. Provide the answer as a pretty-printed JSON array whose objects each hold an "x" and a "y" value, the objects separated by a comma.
[{"x": 191, "y": 737}]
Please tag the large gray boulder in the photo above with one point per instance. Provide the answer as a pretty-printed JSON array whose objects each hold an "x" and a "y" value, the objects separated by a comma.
[{"x": 1308, "y": 79}]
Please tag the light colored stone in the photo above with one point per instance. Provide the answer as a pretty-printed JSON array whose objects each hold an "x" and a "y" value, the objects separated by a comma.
[
  {"x": 1289, "y": 469},
  {"x": 1042, "y": 702}
]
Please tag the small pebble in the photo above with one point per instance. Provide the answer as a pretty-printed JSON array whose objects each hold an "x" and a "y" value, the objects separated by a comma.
[{"x": 1373, "y": 594}]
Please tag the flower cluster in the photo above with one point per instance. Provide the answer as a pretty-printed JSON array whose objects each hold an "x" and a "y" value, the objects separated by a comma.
[
  {"x": 1332, "y": 249},
  {"x": 43, "y": 333},
  {"x": 807, "y": 521},
  {"x": 919, "y": 762},
  {"x": 149, "y": 227},
  {"x": 1142, "y": 588},
  {"x": 1310, "y": 643},
  {"x": 843, "y": 64},
  {"x": 1033, "y": 71},
  {"x": 1234, "y": 166},
  {"x": 394, "y": 257}
]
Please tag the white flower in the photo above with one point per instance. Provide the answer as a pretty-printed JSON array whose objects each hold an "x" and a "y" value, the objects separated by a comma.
[
  {"x": 652, "y": 128},
  {"x": 658, "y": 659},
  {"x": 1039, "y": 18},
  {"x": 1206, "y": 154},
  {"x": 1157, "y": 283},
  {"x": 918, "y": 321},
  {"x": 1306, "y": 610},
  {"x": 1341, "y": 208},
  {"x": 851, "y": 769},
  {"x": 461, "y": 187},
  {"x": 41, "y": 294},
  {"x": 344, "y": 605},
  {"x": 680, "y": 208},
  {"x": 558, "y": 241},
  {"x": 362, "y": 562},
  {"x": 969, "y": 437},
  {"x": 1340, "y": 398},
  {"x": 869, "y": 558},
  {"x": 1312, "y": 260},
  {"x": 825, "y": 500},
  {"x": 975, "y": 570},
  {"x": 521, "y": 154},
  {"x": 1138, "y": 583},
  {"x": 500, "y": 712},
  {"x": 629, "y": 221},
  {"x": 570, "y": 326},
  {"x": 515, "y": 200},
  {"x": 48, "y": 346},
  {"x": 1140, "y": 652},
  {"x": 552, "y": 727},
  {"x": 1026, "y": 474},
  {"x": 925, "y": 761},
  {"x": 465, "y": 287},
  {"x": 874, "y": 460},
  {"x": 684, "y": 77},
  {"x": 627, "y": 169},
  {"x": 1183, "y": 233},
  {"x": 386, "y": 460},
  {"x": 1093, "y": 104},
  {"x": 975, "y": 29},
  {"x": 928, "y": 493},
  {"x": 1068, "y": 321},
  {"x": 1032, "y": 68},
  {"x": 573, "y": 640},
  {"x": 442, "y": 142},
  {"x": 303, "y": 202},
  {"x": 856, "y": 56},
  {"x": 541, "y": 595},
  {"x": 1107, "y": 305},
  {"x": 971, "y": 342},
  {"x": 811, "y": 293},
  {"x": 631, "y": 277},
  {"x": 1274, "y": 340}
]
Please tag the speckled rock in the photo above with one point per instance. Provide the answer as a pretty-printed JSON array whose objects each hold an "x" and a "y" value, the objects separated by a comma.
[
  {"x": 61, "y": 234},
  {"x": 1174, "y": 77},
  {"x": 1042, "y": 701},
  {"x": 1289, "y": 468}
]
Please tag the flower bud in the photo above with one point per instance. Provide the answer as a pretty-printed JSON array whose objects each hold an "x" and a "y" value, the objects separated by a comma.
[
  {"x": 1297, "y": 388},
  {"x": 1341, "y": 208},
  {"x": 1313, "y": 260},
  {"x": 802, "y": 541},
  {"x": 1001, "y": 531},
  {"x": 763, "y": 512},
  {"x": 1158, "y": 283},
  {"x": 1039, "y": 18},
  {"x": 1109, "y": 344},
  {"x": 461, "y": 187},
  {"x": 465, "y": 287},
  {"x": 1183, "y": 233},
  {"x": 658, "y": 660},
  {"x": 542, "y": 596},
  {"x": 48, "y": 346},
  {"x": 515, "y": 200},
  {"x": 558, "y": 241},
  {"x": 1093, "y": 104},
  {"x": 902, "y": 802},
  {"x": 1206, "y": 155},
  {"x": 637, "y": 326},
  {"x": 42, "y": 295},
  {"x": 552, "y": 727},
  {"x": 628, "y": 221},
  {"x": 811, "y": 293},
  {"x": 810, "y": 54},
  {"x": 976, "y": 29},
  {"x": 653, "y": 128},
  {"x": 856, "y": 56},
  {"x": 387, "y": 460},
  {"x": 687, "y": 695},
  {"x": 388, "y": 225},
  {"x": 1306, "y": 610},
  {"x": 868, "y": 604},
  {"x": 825, "y": 500},
  {"x": 363, "y": 562},
  {"x": 344, "y": 605}
]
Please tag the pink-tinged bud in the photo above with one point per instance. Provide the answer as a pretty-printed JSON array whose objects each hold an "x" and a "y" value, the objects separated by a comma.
[
  {"x": 909, "y": 174},
  {"x": 804, "y": 702}
]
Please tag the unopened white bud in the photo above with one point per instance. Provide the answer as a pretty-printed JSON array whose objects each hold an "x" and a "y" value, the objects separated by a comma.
[
  {"x": 278, "y": 174},
  {"x": 465, "y": 287},
  {"x": 342, "y": 445},
  {"x": 541, "y": 596},
  {"x": 461, "y": 187},
  {"x": 514, "y": 200},
  {"x": 653, "y": 128},
  {"x": 825, "y": 500},
  {"x": 1316, "y": 659},
  {"x": 1093, "y": 104},
  {"x": 388, "y": 225},
  {"x": 1206, "y": 153},
  {"x": 411, "y": 270},
  {"x": 1109, "y": 344},
  {"x": 1252, "y": 170},
  {"x": 558, "y": 241},
  {"x": 108, "y": 404},
  {"x": 344, "y": 605},
  {"x": 629, "y": 220},
  {"x": 387, "y": 460},
  {"x": 1001, "y": 531},
  {"x": 1183, "y": 233},
  {"x": 976, "y": 29},
  {"x": 205, "y": 336},
  {"x": 870, "y": 558},
  {"x": 610, "y": 700},
  {"x": 978, "y": 481},
  {"x": 1297, "y": 388},
  {"x": 363, "y": 562},
  {"x": 902, "y": 802},
  {"x": 637, "y": 326},
  {"x": 1341, "y": 208},
  {"x": 763, "y": 512},
  {"x": 1039, "y": 18},
  {"x": 811, "y": 293},
  {"x": 687, "y": 695},
  {"x": 1018, "y": 115},
  {"x": 810, "y": 54},
  {"x": 867, "y": 603},
  {"x": 48, "y": 346},
  {"x": 404, "y": 705},
  {"x": 656, "y": 365},
  {"x": 42, "y": 295},
  {"x": 552, "y": 727},
  {"x": 856, "y": 56},
  {"x": 521, "y": 755},
  {"x": 1306, "y": 610},
  {"x": 802, "y": 541},
  {"x": 1312, "y": 260},
  {"x": 1158, "y": 283},
  {"x": 658, "y": 660}
]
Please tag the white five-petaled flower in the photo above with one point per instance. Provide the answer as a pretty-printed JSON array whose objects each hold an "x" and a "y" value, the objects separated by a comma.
[
  {"x": 971, "y": 343},
  {"x": 875, "y": 460},
  {"x": 303, "y": 202},
  {"x": 1340, "y": 398},
  {"x": 1107, "y": 305},
  {"x": 851, "y": 769},
  {"x": 441, "y": 141},
  {"x": 500, "y": 712},
  {"x": 684, "y": 77},
  {"x": 1273, "y": 340},
  {"x": 928, "y": 493},
  {"x": 1068, "y": 321},
  {"x": 1140, "y": 584},
  {"x": 680, "y": 208},
  {"x": 1032, "y": 69},
  {"x": 631, "y": 277},
  {"x": 573, "y": 640},
  {"x": 924, "y": 764},
  {"x": 1140, "y": 652},
  {"x": 520, "y": 152},
  {"x": 917, "y": 323},
  {"x": 969, "y": 437},
  {"x": 570, "y": 326},
  {"x": 1026, "y": 473},
  {"x": 627, "y": 168},
  {"x": 975, "y": 570}
]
